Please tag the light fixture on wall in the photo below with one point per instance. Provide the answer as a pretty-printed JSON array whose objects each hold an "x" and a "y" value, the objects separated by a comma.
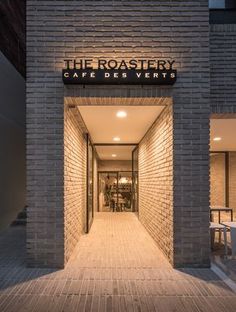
[
  {"x": 116, "y": 139},
  {"x": 113, "y": 155},
  {"x": 217, "y": 139},
  {"x": 121, "y": 114}
]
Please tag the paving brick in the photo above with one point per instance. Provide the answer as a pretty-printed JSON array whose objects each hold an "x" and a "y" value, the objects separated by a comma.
[{"x": 150, "y": 284}]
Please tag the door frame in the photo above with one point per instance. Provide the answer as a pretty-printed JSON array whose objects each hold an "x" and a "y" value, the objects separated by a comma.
[
  {"x": 98, "y": 189},
  {"x": 117, "y": 188},
  {"x": 133, "y": 184},
  {"x": 89, "y": 142}
]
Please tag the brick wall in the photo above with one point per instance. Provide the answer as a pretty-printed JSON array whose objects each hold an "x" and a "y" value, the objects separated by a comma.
[
  {"x": 115, "y": 165},
  {"x": 223, "y": 68},
  {"x": 74, "y": 180},
  {"x": 217, "y": 179},
  {"x": 156, "y": 181},
  {"x": 117, "y": 29},
  {"x": 223, "y": 84}
]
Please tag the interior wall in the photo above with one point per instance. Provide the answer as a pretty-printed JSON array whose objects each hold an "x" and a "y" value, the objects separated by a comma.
[
  {"x": 156, "y": 181},
  {"x": 74, "y": 181},
  {"x": 115, "y": 165},
  {"x": 232, "y": 181},
  {"x": 217, "y": 179}
]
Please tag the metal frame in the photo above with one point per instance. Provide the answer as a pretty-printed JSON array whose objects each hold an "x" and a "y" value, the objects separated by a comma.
[
  {"x": 88, "y": 224},
  {"x": 115, "y": 144},
  {"x": 133, "y": 192},
  {"x": 98, "y": 185}
]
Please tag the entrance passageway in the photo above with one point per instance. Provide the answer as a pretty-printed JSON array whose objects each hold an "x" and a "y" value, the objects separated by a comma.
[
  {"x": 116, "y": 267},
  {"x": 118, "y": 241}
]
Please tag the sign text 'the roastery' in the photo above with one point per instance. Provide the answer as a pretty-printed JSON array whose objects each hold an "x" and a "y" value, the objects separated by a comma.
[{"x": 134, "y": 71}]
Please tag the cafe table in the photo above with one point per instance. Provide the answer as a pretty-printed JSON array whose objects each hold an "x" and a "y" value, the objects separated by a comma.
[{"x": 232, "y": 228}]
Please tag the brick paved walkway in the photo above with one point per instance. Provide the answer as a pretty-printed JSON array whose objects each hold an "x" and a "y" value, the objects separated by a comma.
[{"x": 117, "y": 267}]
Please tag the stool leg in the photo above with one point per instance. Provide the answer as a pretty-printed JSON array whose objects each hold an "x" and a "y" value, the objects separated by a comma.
[
  {"x": 225, "y": 241},
  {"x": 219, "y": 230},
  {"x": 233, "y": 240},
  {"x": 212, "y": 238}
]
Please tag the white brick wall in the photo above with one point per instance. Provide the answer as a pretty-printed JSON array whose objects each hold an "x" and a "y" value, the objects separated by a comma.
[
  {"x": 217, "y": 179},
  {"x": 156, "y": 181},
  {"x": 74, "y": 181}
]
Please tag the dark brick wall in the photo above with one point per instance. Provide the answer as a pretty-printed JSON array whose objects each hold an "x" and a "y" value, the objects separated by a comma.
[
  {"x": 223, "y": 68},
  {"x": 12, "y": 32},
  {"x": 118, "y": 29}
]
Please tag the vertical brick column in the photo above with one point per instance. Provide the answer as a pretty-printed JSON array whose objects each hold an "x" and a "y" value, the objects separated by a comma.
[
  {"x": 191, "y": 184},
  {"x": 45, "y": 150}
]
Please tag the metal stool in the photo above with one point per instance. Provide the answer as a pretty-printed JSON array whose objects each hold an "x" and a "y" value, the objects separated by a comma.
[{"x": 221, "y": 228}]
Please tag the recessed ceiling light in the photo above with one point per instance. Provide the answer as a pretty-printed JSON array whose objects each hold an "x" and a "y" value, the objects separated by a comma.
[
  {"x": 113, "y": 155},
  {"x": 217, "y": 139},
  {"x": 117, "y": 139},
  {"x": 121, "y": 114}
]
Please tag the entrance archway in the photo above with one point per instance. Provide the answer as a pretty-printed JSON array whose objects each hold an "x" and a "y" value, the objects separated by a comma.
[{"x": 155, "y": 193}]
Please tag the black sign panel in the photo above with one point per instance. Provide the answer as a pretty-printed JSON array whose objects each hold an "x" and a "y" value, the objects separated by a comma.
[{"x": 119, "y": 76}]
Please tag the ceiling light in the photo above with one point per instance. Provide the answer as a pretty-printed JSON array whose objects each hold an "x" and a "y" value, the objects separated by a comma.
[
  {"x": 116, "y": 139},
  {"x": 113, "y": 155},
  {"x": 121, "y": 114},
  {"x": 217, "y": 139}
]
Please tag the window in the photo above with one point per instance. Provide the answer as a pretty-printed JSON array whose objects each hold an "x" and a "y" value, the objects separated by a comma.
[
  {"x": 217, "y": 4},
  {"x": 222, "y": 4}
]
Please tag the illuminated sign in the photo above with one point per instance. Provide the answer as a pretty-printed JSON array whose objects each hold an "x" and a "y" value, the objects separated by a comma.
[{"x": 134, "y": 71}]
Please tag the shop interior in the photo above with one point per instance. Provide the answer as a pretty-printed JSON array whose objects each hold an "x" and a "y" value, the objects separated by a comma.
[
  {"x": 223, "y": 185},
  {"x": 117, "y": 178}
]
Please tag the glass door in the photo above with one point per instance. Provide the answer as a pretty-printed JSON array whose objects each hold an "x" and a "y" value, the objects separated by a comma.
[
  {"x": 115, "y": 191},
  {"x": 107, "y": 191},
  {"x": 124, "y": 198},
  {"x": 89, "y": 214},
  {"x": 135, "y": 180}
]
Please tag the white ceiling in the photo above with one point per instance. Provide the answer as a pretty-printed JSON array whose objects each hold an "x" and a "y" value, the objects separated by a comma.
[
  {"x": 226, "y": 130},
  {"x": 122, "y": 152},
  {"x": 103, "y": 125}
]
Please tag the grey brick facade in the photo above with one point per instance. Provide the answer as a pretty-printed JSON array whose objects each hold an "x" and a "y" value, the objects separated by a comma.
[
  {"x": 120, "y": 29},
  {"x": 223, "y": 68}
]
